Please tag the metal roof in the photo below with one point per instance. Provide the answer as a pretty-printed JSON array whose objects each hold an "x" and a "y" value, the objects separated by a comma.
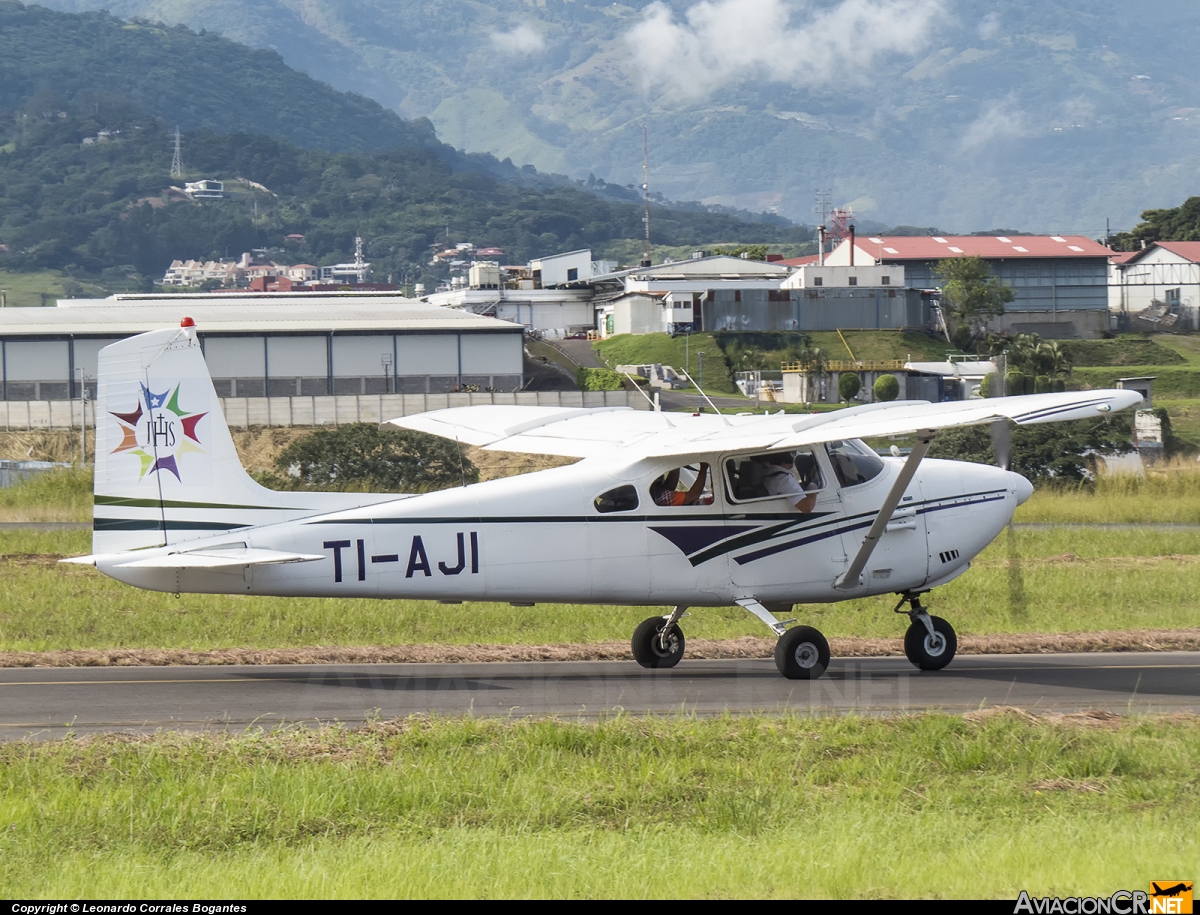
[
  {"x": 339, "y": 316},
  {"x": 1188, "y": 250},
  {"x": 992, "y": 247}
]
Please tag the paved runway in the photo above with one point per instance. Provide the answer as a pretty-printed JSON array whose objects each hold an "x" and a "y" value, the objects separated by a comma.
[{"x": 49, "y": 702}]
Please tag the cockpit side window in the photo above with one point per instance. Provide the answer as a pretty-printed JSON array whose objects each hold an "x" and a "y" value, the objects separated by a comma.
[
  {"x": 746, "y": 476},
  {"x": 853, "y": 462},
  {"x": 621, "y": 499}
]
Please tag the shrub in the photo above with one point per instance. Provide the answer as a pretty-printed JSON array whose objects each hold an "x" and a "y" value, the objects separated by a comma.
[
  {"x": 990, "y": 385},
  {"x": 599, "y": 379},
  {"x": 849, "y": 385},
  {"x": 363, "y": 457},
  {"x": 887, "y": 388}
]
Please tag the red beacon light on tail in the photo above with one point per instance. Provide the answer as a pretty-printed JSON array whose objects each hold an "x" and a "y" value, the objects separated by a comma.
[{"x": 187, "y": 322}]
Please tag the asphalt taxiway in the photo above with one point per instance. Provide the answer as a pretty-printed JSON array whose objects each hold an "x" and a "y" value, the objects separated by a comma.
[{"x": 51, "y": 702}]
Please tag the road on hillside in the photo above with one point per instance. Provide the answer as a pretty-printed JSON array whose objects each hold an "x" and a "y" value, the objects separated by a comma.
[{"x": 41, "y": 703}]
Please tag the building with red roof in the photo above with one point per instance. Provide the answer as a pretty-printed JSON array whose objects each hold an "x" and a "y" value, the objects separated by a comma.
[
  {"x": 1060, "y": 282},
  {"x": 1158, "y": 287}
]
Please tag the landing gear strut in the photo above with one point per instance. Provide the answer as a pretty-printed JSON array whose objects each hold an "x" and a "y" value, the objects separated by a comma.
[
  {"x": 801, "y": 653},
  {"x": 930, "y": 642},
  {"x": 658, "y": 641}
]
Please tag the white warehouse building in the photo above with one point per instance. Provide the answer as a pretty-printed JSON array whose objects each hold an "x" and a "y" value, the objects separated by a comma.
[{"x": 270, "y": 346}]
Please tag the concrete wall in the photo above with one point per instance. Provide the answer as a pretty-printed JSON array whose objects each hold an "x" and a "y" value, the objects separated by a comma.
[{"x": 243, "y": 412}]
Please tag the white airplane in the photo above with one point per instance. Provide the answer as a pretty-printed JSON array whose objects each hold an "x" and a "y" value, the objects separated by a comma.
[{"x": 663, "y": 509}]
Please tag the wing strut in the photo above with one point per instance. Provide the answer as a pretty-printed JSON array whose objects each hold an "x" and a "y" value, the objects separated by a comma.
[{"x": 852, "y": 578}]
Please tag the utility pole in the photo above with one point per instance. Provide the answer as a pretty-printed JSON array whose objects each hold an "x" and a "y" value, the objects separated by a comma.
[{"x": 700, "y": 384}]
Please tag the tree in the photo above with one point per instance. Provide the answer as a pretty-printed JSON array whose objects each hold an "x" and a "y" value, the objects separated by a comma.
[
  {"x": 970, "y": 294},
  {"x": 362, "y": 457},
  {"x": 886, "y": 388},
  {"x": 848, "y": 386},
  {"x": 1047, "y": 452}
]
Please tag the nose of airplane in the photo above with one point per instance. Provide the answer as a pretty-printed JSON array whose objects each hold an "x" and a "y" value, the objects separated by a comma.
[{"x": 1021, "y": 486}]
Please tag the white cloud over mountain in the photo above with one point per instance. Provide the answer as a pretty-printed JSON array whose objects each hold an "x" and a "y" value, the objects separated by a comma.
[{"x": 724, "y": 42}]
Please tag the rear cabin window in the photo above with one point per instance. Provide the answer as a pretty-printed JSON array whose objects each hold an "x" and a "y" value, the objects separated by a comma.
[
  {"x": 747, "y": 476},
  {"x": 621, "y": 499},
  {"x": 853, "y": 462}
]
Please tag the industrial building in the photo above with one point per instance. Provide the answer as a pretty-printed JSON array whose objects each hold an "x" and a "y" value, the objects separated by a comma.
[
  {"x": 1158, "y": 287},
  {"x": 273, "y": 346},
  {"x": 1060, "y": 283}
]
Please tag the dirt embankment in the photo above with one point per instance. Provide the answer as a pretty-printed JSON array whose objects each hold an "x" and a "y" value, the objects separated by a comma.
[{"x": 746, "y": 647}]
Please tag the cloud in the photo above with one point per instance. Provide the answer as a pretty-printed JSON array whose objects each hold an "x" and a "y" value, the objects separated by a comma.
[
  {"x": 1000, "y": 121},
  {"x": 800, "y": 42},
  {"x": 989, "y": 28},
  {"x": 521, "y": 40}
]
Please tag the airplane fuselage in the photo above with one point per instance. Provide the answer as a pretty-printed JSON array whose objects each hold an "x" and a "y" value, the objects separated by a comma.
[{"x": 541, "y": 538}]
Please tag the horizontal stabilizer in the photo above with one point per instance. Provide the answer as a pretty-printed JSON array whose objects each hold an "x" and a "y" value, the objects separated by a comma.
[
  {"x": 197, "y": 559},
  {"x": 215, "y": 559}
]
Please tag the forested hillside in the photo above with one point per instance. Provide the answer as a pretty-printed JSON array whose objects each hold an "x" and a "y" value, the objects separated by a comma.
[
  {"x": 107, "y": 205},
  {"x": 88, "y": 106}
]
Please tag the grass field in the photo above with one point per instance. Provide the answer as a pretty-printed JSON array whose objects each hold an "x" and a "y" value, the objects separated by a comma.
[
  {"x": 787, "y": 806},
  {"x": 1073, "y": 580},
  {"x": 43, "y": 288}
]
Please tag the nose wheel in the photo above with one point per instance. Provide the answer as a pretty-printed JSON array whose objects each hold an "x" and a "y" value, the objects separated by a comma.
[{"x": 930, "y": 642}]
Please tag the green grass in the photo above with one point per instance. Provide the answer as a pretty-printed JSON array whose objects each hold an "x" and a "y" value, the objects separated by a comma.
[
  {"x": 682, "y": 352},
  {"x": 62, "y": 494},
  {"x": 748, "y": 806},
  {"x": 1075, "y": 580},
  {"x": 43, "y": 288},
  {"x": 1124, "y": 350},
  {"x": 881, "y": 345},
  {"x": 1168, "y": 493}
]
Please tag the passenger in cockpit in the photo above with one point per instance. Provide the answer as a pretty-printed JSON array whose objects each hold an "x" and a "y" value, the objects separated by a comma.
[{"x": 664, "y": 490}]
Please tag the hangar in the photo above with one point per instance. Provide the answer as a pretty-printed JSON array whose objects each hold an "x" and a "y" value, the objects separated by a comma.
[{"x": 270, "y": 346}]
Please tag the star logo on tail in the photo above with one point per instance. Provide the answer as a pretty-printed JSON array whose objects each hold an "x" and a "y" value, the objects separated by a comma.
[{"x": 161, "y": 434}]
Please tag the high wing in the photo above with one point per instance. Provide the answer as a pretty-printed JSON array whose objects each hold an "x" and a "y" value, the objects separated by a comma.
[
  {"x": 569, "y": 431},
  {"x": 633, "y": 435}
]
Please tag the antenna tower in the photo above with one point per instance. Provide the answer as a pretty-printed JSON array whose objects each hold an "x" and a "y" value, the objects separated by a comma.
[
  {"x": 646, "y": 192},
  {"x": 358, "y": 252},
  {"x": 177, "y": 159},
  {"x": 839, "y": 223}
]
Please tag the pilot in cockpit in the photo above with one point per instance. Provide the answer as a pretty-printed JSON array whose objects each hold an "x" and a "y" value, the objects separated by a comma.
[{"x": 781, "y": 480}]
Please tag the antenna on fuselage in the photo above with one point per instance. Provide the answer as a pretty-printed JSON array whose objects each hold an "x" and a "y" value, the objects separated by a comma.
[
  {"x": 706, "y": 397},
  {"x": 653, "y": 406}
]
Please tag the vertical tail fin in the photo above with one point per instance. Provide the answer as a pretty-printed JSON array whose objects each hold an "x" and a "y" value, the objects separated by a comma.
[{"x": 166, "y": 466}]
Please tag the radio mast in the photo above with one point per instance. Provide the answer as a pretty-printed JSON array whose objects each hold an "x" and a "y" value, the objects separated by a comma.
[
  {"x": 177, "y": 160},
  {"x": 646, "y": 192}
]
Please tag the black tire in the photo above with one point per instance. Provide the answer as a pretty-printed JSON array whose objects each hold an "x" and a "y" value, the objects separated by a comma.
[
  {"x": 802, "y": 653},
  {"x": 930, "y": 653},
  {"x": 646, "y": 648}
]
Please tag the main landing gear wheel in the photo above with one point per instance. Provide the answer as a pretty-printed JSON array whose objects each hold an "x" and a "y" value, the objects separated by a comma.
[
  {"x": 802, "y": 653},
  {"x": 651, "y": 649},
  {"x": 930, "y": 650}
]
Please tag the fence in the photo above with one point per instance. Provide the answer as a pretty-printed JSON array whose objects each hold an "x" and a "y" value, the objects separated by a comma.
[{"x": 244, "y": 412}]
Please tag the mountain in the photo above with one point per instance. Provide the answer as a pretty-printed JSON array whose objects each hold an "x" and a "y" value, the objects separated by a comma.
[
  {"x": 90, "y": 193},
  {"x": 1037, "y": 114}
]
